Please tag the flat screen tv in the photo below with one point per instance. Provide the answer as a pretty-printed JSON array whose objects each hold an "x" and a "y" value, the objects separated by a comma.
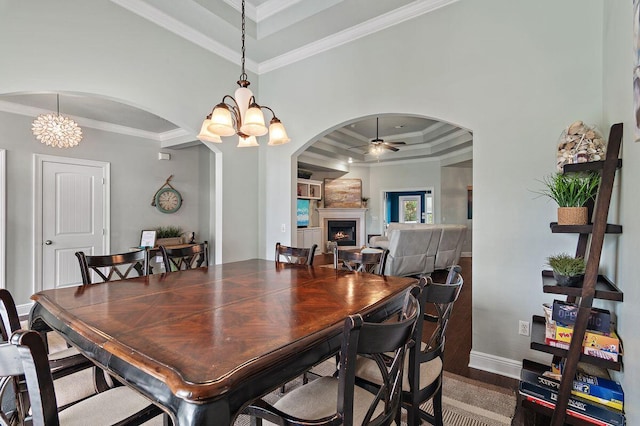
[{"x": 303, "y": 213}]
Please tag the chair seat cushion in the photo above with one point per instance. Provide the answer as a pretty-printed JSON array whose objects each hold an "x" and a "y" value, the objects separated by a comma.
[
  {"x": 65, "y": 353},
  {"x": 105, "y": 408},
  {"x": 429, "y": 371},
  {"x": 318, "y": 399}
]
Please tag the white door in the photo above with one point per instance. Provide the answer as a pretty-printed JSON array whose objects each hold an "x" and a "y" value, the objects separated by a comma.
[{"x": 74, "y": 193}]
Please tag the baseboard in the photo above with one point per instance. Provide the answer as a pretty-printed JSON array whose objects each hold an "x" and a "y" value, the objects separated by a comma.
[
  {"x": 23, "y": 310},
  {"x": 466, "y": 254},
  {"x": 495, "y": 364}
]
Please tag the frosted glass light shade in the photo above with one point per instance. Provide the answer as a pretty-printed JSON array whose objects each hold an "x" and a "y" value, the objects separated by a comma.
[
  {"x": 247, "y": 142},
  {"x": 253, "y": 123},
  {"x": 56, "y": 130},
  {"x": 243, "y": 97},
  {"x": 277, "y": 133},
  {"x": 221, "y": 121},
  {"x": 205, "y": 135}
]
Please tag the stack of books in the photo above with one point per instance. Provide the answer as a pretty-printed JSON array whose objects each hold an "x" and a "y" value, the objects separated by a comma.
[
  {"x": 595, "y": 400},
  {"x": 600, "y": 340}
]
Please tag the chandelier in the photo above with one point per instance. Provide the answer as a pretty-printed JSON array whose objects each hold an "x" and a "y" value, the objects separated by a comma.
[
  {"x": 241, "y": 115},
  {"x": 56, "y": 130}
]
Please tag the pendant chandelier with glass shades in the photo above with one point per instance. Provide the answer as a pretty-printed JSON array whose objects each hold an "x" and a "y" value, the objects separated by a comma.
[
  {"x": 241, "y": 115},
  {"x": 56, "y": 130}
]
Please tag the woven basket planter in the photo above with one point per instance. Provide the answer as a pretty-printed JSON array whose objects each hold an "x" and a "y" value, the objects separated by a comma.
[{"x": 572, "y": 216}]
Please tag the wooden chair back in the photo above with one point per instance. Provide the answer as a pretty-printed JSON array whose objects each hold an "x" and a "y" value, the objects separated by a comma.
[
  {"x": 25, "y": 356},
  {"x": 181, "y": 258},
  {"x": 111, "y": 267},
  {"x": 363, "y": 261},
  {"x": 386, "y": 343},
  {"x": 300, "y": 256},
  {"x": 436, "y": 305},
  {"x": 9, "y": 315}
]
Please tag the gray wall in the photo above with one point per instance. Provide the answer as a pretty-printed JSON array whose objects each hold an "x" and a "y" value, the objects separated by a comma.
[
  {"x": 453, "y": 199},
  {"x": 136, "y": 174},
  {"x": 514, "y": 73}
]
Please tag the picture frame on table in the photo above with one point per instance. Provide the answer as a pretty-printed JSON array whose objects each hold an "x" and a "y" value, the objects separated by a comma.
[{"x": 147, "y": 238}]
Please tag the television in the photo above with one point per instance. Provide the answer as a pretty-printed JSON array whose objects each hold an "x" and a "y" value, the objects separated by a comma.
[{"x": 302, "y": 213}]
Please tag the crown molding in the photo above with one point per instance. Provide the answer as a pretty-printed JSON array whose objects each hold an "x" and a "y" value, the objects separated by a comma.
[
  {"x": 169, "y": 23},
  {"x": 168, "y": 137},
  {"x": 371, "y": 26},
  {"x": 143, "y": 9}
]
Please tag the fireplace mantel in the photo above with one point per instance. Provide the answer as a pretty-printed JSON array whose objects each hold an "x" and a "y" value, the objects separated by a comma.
[{"x": 357, "y": 214}]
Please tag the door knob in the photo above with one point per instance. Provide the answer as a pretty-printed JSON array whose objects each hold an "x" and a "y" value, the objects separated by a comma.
[{"x": 48, "y": 242}]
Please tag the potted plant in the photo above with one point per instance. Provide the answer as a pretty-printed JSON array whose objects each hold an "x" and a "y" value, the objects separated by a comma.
[
  {"x": 571, "y": 191},
  {"x": 365, "y": 200},
  {"x": 168, "y": 235},
  {"x": 567, "y": 270}
]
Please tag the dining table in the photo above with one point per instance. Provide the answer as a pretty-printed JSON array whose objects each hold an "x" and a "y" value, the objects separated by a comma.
[{"x": 204, "y": 343}]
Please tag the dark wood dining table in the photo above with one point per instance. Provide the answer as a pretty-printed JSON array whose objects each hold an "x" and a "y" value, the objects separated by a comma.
[{"x": 204, "y": 343}]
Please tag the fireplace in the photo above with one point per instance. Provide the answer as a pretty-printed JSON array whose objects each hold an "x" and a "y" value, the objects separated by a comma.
[
  {"x": 352, "y": 224},
  {"x": 342, "y": 232}
]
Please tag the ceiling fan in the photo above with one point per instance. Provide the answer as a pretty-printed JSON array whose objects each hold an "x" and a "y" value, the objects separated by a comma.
[{"x": 376, "y": 145}]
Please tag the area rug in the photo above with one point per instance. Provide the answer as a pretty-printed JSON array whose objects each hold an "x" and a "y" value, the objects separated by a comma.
[{"x": 465, "y": 402}]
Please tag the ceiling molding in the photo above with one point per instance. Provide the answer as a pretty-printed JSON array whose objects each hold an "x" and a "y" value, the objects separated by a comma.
[
  {"x": 169, "y": 23},
  {"x": 397, "y": 16},
  {"x": 167, "y": 137},
  {"x": 143, "y": 9}
]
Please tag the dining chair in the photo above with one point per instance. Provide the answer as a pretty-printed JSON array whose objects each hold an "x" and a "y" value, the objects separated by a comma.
[
  {"x": 189, "y": 257},
  {"x": 300, "y": 256},
  {"x": 25, "y": 356},
  {"x": 338, "y": 400},
  {"x": 424, "y": 365},
  {"x": 111, "y": 267},
  {"x": 366, "y": 260},
  {"x": 68, "y": 367}
]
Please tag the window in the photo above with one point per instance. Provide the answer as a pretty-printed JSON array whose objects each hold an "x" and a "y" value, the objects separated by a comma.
[{"x": 410, "y": 209}]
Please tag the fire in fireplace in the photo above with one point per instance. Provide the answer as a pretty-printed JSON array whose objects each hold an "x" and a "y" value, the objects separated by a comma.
[{"x": 343, "y": 232}]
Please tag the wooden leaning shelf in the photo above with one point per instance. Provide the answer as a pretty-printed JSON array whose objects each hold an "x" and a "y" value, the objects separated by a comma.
[{"x": 594, "y": 285}]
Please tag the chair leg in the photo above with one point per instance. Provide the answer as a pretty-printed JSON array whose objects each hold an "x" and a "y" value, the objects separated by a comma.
[{"x": 437, "y": 407}]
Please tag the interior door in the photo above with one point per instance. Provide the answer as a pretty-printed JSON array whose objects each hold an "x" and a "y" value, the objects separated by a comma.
[{"x": 73, "y": 218}]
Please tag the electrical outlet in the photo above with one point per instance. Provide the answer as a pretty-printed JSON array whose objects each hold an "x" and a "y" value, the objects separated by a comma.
[{"x": 523, "y": 328}]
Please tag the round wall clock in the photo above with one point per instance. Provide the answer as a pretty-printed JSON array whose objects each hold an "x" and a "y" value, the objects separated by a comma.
[{"x": 168, "y": 200}]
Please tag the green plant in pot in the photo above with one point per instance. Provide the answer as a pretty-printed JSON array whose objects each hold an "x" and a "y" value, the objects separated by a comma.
[
  {"x": 168, "y": 235},
  {"x": 571, "y": 191},
  {"x": 567, "y": 270}
]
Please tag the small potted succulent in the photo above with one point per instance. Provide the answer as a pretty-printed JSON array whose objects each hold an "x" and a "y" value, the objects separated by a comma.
[
  {"x": 567, "y": 270},
  {"x": 571, "y": 191},
  {"x": 365, "y": 200}
]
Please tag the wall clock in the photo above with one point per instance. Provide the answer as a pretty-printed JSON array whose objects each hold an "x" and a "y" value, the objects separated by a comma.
[{"x": 167, "y": 199}]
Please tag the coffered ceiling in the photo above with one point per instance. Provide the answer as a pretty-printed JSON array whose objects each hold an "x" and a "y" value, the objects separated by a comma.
[{"x": 279, "y": 32}]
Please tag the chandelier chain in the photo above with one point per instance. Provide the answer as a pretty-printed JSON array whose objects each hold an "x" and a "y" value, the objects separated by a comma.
[{"x": 243, "y": 76}]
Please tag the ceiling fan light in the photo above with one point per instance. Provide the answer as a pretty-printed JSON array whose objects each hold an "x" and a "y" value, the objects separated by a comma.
[
  {"x": 205, "y": 135},
  {"x": 244, "y": 142},
  {"x": 277, "y": 133},
  {"x": 221, "y": 121},
  {"x": 253, "y": 123}
]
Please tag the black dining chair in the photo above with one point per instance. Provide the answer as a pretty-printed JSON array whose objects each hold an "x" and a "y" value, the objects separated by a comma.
[
  {"x": 25, "y": 358},
  {"x": 338, "y": 400},
  {"x": 189, "y": 257},
  {"x": 425, "y": 364},
  {"x": 111, "y": 267},
  {"x": 67, "y": 366},
  {"x": 297, "y": 255}
]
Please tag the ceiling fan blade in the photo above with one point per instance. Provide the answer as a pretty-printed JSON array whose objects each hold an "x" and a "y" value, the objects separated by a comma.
[
  {"x": 390, "y": 148},
  {"x": 395, "y": 143}
]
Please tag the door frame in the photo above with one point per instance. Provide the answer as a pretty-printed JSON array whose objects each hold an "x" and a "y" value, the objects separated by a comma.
[
  {"x": 38, "y": 164},
  {"x": 3, "y": 218}
]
